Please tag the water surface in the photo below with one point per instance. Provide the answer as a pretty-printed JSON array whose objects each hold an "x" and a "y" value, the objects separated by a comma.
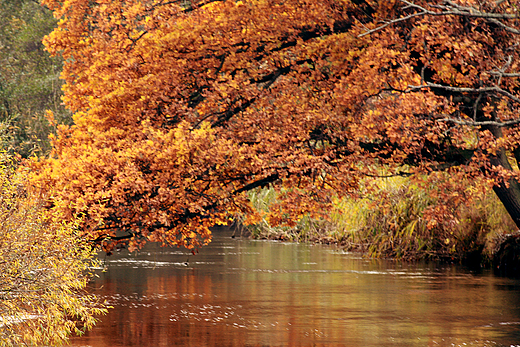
[{"x": 239, "y": 292}]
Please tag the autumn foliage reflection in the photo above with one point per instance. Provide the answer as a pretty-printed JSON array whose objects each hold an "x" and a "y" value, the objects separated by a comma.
[{"x": 249, "y": 293}]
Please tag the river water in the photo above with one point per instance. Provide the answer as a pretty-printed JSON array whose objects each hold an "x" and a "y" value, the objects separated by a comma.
[{"x": 241, "y": 292}]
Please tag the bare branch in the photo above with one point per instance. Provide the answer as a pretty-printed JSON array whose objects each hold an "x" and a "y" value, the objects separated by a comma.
[
  {"x": 402, "y": 19},
  {"x": 504, "y": 74},
  {"x": 481, "y": 123},
  {"x": 397, "y": 174},
  {"x": 506, "y": 27},
  {"x": 466, "y": 90},
  {"x": 504, "y": 68},
  {"x": 473, "y": 12},
  {"x": 452, "y": 9}
]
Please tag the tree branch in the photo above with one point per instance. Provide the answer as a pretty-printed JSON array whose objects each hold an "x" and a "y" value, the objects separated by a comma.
[
  {"x": 466, "y": 90},
  {"x": 504, "y": 74},
  {"x": 260, "y": 183},
  {"x": 480, "y": 123},
  {"x": 452, "y": 9}
]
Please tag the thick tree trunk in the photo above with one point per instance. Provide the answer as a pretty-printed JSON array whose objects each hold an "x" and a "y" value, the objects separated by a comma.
[
  {"x": 509, "y": 194},
  {"x": 506, "y": 258},
  {"x": 510, "y": 197}
]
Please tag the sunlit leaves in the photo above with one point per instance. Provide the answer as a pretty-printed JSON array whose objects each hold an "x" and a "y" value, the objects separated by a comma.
[{"x": 182, "y": 108}]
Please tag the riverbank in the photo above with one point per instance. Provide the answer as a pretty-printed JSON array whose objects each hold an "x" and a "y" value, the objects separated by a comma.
[
  {"x": 400, "y": 220},
  {"x": 501, "y": 253}
]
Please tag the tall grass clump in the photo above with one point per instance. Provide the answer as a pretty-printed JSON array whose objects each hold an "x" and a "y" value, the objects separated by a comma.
[{"x": 406, "y": 220}]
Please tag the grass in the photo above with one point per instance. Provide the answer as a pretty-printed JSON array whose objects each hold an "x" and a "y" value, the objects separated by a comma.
[{"x": 402, "y": 219}]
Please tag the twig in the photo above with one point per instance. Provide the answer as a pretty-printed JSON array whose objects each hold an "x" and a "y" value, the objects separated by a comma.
[
  {"x": 482, "y": 123},
  {"x": 467, "y": 90}
]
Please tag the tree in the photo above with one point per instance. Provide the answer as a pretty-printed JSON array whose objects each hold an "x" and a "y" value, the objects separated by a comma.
[
  {"x": 44, "y": 269},
  {"x": 29, "y": 77},
  {"x": 182, "y": 107}
]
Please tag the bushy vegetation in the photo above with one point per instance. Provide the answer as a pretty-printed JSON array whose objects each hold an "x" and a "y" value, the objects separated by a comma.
[
  {"x": 44, "y": 269},
  {"x": 397, "y": 218}
]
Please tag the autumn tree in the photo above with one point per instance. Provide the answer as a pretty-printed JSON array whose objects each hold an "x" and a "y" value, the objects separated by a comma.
[
  {"x": 44, "y": 269},
  {"x": 182, "y": 107}
]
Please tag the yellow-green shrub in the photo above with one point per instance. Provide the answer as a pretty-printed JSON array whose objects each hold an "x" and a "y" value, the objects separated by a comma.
[{"x": 44, "y": 269}]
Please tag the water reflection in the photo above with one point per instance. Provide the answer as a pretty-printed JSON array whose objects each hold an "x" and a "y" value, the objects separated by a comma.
[{"x": 257, "y": 293}]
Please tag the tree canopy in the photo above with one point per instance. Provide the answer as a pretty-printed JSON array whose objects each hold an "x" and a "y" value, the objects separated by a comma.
[{"x": 180, "y": 107}]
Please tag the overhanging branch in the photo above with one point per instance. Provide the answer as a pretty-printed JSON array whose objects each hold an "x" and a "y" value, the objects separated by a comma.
[{"x": 480, "y": 123}]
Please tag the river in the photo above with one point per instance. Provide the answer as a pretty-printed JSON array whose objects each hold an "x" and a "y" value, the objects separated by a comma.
[{"x": 241, "y": 292}]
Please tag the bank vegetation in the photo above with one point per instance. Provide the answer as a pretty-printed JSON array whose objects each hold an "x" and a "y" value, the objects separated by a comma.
[{"x": 397, "y": 217}]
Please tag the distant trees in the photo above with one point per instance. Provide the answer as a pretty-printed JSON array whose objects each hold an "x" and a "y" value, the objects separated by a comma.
[
  {"x": 29, "y": 77},
  {"x": 180, "y": 108}
]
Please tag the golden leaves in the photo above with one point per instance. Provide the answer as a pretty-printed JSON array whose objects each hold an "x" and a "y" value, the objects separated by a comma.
[
  {"x": 178, "y": 111},
  {"x": 44, "y": 269}
]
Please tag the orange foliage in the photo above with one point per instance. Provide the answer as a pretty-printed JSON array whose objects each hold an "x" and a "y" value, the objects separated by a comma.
[{"x": 182, "y": 107}]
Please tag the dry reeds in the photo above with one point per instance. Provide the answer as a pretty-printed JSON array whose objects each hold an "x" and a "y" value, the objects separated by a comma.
[{"x": 400, "y": 218}]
